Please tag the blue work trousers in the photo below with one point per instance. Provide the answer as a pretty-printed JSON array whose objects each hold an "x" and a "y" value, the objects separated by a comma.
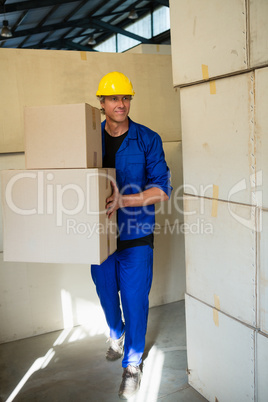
[{"x": 129, "y": 271}]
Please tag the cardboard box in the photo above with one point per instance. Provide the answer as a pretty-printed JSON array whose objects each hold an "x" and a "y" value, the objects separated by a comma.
[
  {"x": 57, "y": 216},
  {"x": 224, "y": 143},
  {"x": 63, "y": 136},
  {"x": 258, "y": 11},
  {"x": 208, "y": 39},
  {"x": 221, "y": 256},
  {"x": 221, "y": 354}
]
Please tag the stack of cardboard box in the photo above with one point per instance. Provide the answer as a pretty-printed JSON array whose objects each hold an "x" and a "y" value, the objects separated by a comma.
[
  {"x": 54, "y": 211},
  {"x": 220, "y": 58}
]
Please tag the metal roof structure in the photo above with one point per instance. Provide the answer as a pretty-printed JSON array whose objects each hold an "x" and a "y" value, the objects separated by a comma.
[{"x": 68, "y": 24}]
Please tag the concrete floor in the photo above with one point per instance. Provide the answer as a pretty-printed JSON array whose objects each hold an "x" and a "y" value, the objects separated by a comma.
[{"x": 70, "y": 365}]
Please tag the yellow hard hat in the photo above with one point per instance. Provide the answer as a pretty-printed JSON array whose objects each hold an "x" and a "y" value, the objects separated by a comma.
[{"x": 115, "y": 83}]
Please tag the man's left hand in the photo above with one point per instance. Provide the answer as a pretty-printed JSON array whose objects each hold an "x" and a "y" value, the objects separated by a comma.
[{"x": 114, "y": 202}]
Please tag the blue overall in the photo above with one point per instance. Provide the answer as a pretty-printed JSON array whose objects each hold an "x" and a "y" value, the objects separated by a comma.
[{"x": 140, "y": 164}]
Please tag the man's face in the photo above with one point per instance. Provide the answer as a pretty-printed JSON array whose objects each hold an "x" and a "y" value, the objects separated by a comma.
[{"x": 116, "y": 107}]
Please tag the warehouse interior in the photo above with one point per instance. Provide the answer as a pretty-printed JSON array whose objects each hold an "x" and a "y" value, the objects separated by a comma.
[{"x": 204, "y": 90}]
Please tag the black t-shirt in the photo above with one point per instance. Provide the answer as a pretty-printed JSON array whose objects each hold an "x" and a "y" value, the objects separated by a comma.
[{"x": 112, "y": 144}]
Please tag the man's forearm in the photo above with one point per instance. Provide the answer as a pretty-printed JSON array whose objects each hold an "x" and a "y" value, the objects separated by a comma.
[{"x": 147, "y": 197}]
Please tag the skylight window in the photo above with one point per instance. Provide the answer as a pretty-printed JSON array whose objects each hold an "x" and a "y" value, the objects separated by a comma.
[{"x": 148, "y": 26}]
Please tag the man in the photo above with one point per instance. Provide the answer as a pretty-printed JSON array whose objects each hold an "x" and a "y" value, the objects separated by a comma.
[{"x": 143, "y": 179}]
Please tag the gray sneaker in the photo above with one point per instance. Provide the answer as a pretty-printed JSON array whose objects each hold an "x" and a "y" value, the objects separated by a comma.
[
  {"x": 116, "y": 348},
  {"x": 130, "y": 384}
]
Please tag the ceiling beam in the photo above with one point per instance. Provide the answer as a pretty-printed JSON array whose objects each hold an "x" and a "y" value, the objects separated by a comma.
[
  {"x": 126, "y": 11},
  {"x": 77, "y": 46},
  {"x": 19, "y": 21},
  {"x": 74, "y": 11},
  {"x": 80, "y": 23},
  {"x": 163, "y": 2},
  {"x": 51, "y": 27},
  {"x": 41, "y": 23},
  {"x": 106, "y": 34},
  {"x": 99, "y": 6},
  {"x": 62, "y": 44},
  {"x": 116, "y": 29},
  {"x": 31, "y": 4}
]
